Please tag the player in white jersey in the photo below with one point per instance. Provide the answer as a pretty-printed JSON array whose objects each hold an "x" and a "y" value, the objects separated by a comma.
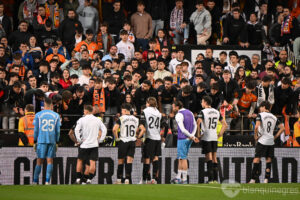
[
  {"x": 263, "y": 134},
  {"x": 129, "y": 127},
  {"x": 209, "y": 118},
  {"x": 152, "y": 120},
  {"x": 88, "y": 133}
]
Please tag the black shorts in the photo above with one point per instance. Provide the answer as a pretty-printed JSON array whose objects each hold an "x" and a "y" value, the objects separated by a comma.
[
  {"x": 209, "y": 146},
  {"x": 126, "y": 149},
  {"x": 266, "y": 151},
  {"x": 88, "y": 154},
  {"x": 152, "y": 148}
]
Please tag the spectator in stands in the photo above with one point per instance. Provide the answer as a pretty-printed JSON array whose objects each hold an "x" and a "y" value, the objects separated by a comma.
[
  {"x": 265, "y": 91},
  {"x": 263, "y": 16},
  {"x": 228, "y": 87},
  {"x": 158, "y": 11},
  {"x": 240, "y": 76},
  {"x": 201, "y": 19},
  {"x": 28, "y": 10},
  {"x": 5, "y": 21},
  {"x": 21, "y": 35},
  {"x": 215, "y": 13},
  {"x": 179, "y": 24},
  {"x": 125, "y": 47},
  {"x": 167, "y": 93},
  {"x": 188, "y": 98},
  {"x": 91, "y": 45},
  {"x": 67, "y": 30},
  {"x": 65, "y": 79},
  {"x": 216, "y": 96},
  {"x": 39, "y": 20},
  {"x": 143, "y": 93},
  {"x": 234, "y": 62},
  {"x": 54, "y": 12},
  {"x": 69, "y": 4},
  {"x": 289, "y": 27},
  {"x": 178, "y": 60},
  {"x": 283, "y": 59},
  {"x": 115, "y": 20},
  {"x": 283, "y": 100},
  {"x": 127, "y": 27},
  {"x": 161, "y": 72},
  {"x": 86, "y": 75},
  {"x": 54, "y": 48},
  {"x": 12, "y": 104},
  {"x": 234, "y": 29},
  {"x": 141, "y": 23},
  {"x": 255, "y": 32},
  {"x": 88, "y": 16},
  {"x": 104, "y": 39},
  {"x": 55, "y": 84},
  {"x": 74, "y": 69}
]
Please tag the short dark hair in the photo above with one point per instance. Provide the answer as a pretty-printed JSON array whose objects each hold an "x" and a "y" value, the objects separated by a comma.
[
  {"x": 48, "y": 101},
  {"x": 74, "y": 76},
  {"x": 251, "y": 85},
  {"x": 147, "y": 82},
  {"x": 286, "y": 81},
  {"x": 265, "y": 104},
  {"x": 207, "y": 99},
  {"x": 187, "y": 89},
  {"x": 215, "y": 86},
  {"x": 28, "y": 107},
  {"x": 17, "y": 84},
  {"x": 88, "y": 107},
  {"x": 123, "y": 32},
  {"x": 126, "y": 106},
  {"x": 267, "y": 78},
  {"x": 89, "y": 32},
  {"x": 178, "y": 104},
  {"x": 80, "y": 89},
  {"x": 168, "y": 78}
]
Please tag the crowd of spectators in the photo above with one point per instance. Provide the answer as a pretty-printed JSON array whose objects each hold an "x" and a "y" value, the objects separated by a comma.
[{"x": 60, "y": 49}]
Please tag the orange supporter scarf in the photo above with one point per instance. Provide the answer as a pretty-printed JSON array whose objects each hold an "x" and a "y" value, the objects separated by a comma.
[
  {"x": 55, "y": 15},
  {"x": 41, "y": 20},
  {"x": 99, "y": 100}
]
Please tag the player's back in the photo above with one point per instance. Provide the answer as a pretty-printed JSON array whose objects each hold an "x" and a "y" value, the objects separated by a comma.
[
  {"x": 210, "y": 118},
  {"x": 46, "y": 127},
  {"x": 128, "y": 128},
  {"x": 266, "y": 128},
  {"x": 153, "y": 120}
]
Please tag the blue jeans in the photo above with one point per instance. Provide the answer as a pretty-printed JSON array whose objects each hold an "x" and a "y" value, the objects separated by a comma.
[
  {"x": 178, "y": 36},
  {"x": 140, "y": 42},
  {"x": 156, "y": 25}
]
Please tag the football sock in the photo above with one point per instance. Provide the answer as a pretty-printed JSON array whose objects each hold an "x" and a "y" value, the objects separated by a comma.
[
  {"x": 78, "y": 175},
  {"x": 178, "y": 176},
  {"x": 128, "y": 169},
  {"x": 91, "y": 176},
  {"x": 49, "y": 172},
  {"x": 120, "y": 171},
  {"x": 254, "y": 170},
  {"x": 210, "y": 170},
  {"x": 268, "y": 170},
  {"x": 184, "y": 175},
  {"x": 85, "y": 177},
  {"x": 155, "y": 169},
  {"x": 146, "y": 168},
  {"x": 215, "y": 170},
  {"x": 37, "y": 172}
]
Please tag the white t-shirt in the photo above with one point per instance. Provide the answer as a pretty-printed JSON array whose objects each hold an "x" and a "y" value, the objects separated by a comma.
[
  {"x": 127, "y": 49},
  {"x": 174, "y": 62},
  {"x": 128, "y": 127}
]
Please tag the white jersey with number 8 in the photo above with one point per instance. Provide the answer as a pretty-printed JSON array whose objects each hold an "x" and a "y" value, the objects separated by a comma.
[
  {"x": 128, "y": 127},
  {"x": 266, "y": 129}
]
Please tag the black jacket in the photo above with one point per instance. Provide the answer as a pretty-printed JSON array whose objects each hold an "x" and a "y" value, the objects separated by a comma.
[
  {"x": 157, "y": 9},
  {"x": 15, "y": 39},
  {"x": 256, "y": 34},
  {"x": 235, "y": 30},
  {"x": 189, "y": 102},
  {"x": 283, "y": 98},
  {"x": 115, "y": 21},
  {"x": 6, "y": 24},
  {"x": 48, "y": 37},
  {"x": 141, "y": 96},
  {"x": 112, "y": 99},
  {"x": 274, "y": 34},
  {"x": 66, "y": 30},
  {"x": 229, "y": 89}
]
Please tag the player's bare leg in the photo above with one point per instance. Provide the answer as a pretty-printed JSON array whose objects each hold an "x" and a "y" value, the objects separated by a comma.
[
  {"x": 78, "y": 171},
  {"x": 215, "y": 167},
  {"x": 49, "y": 170},
  {"x": 120, "y": 171},
  {"x": 128, "y": 169},
  {"x": 268, "y": 170},
  {"x": 37, "y": 170},
  {"x": 209, "y": 163},
  {"x": 255, "y": 170},
  {"x": 91, "y": 170}
]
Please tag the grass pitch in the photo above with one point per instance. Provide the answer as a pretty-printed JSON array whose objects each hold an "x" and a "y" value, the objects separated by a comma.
[{"x": 152, "y": 192}]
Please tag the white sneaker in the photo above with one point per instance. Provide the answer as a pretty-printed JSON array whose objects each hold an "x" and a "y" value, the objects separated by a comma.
[
  {"x": 252, "y": 181},
  {"x": 142, "y": 182},
  {"x": 126, "y": 181},
  {"x": 77, "y": 181},
  {"x": 83, "y": 183},
  {"x": 89, "y": 181},
  {"x": 47, "y": 183},
  {"x": 153, "y": 181},
  {"x": 118, "y": 182},
  {"x": 266, "y": 180}
]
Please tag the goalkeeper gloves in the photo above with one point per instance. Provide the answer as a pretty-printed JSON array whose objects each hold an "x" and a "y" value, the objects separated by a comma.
[{"x": 34, "y": 147}]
